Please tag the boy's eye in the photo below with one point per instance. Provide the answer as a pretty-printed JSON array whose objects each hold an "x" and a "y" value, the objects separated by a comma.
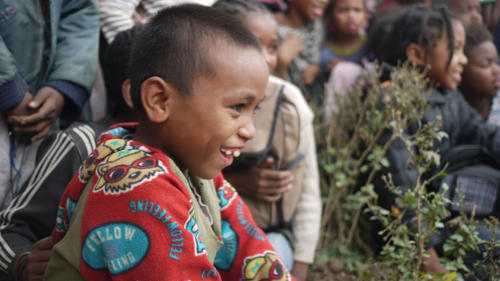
[
  {"x": 273, "y": 48},
  {"x": 238, "y": 107}
]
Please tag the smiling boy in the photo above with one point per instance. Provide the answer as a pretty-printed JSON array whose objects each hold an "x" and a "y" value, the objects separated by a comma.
[{"x": 150, "y": 203}]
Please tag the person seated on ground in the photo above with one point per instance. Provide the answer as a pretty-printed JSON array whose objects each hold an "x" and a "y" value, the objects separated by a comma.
[
  {"x": 150, "y": 201},
  {"x": 431, "y": 36},
  {"x": 345, "y": 40},
  {"x": 301, "y": 36},
  {"x": 277, "y": 171},
  {"x": 48, "y": 65},
  {"x": 345, "y": 51},
  {"x": 31, "y": 216}
]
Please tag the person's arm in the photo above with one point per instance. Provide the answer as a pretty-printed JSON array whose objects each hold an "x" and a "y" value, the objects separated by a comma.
[
  {"x": 288, "y": 49},
  {"x": 307, "y": 216},
  {"x": 12, "y": 85},
  {"x": 75, "y": 60},
  {"x": 31, "y": 215},
  {"x": 246, "y": 254}
]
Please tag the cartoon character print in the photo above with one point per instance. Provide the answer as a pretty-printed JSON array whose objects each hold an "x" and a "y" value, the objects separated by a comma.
[
  {"x": 226, "y": 194},
  {"x": 125, "y": 169},
  {"x": 96, "y": 156},
  {"x": 192, "y": 227},
  {"x": 264, "y": 267}
]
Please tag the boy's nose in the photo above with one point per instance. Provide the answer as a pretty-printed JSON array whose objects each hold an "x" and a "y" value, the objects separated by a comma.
[{"x": 247, "y": 131}]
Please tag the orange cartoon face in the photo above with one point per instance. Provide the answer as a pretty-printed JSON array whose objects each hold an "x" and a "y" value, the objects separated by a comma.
[
  {"x": 266, "y": 267},
  {"x": 102, "y": 151},
  {"x": 125, "y": 169}
]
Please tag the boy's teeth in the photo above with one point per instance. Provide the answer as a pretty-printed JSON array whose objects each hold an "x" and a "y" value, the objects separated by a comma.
[{"x": 236, "y": 153}]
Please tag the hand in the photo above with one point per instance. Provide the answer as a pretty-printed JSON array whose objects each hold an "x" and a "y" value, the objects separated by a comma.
[
  {"x": 22, "y": 108},
  {"x": 431, "y": 263},
  {"x": 46, "y": 107},
  {"x": 288, "y": 49},
  {"x": 37, "y": 260},
  {"x": 309, "y": 74},
  {"x": 299, "y": 270},
  {"x": 261, "y": 182}
]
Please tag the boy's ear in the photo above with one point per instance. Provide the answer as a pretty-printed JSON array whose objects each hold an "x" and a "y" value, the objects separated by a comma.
[
  {"x": 156, "y": 97},
  {"x": 415, "y": 54},
  {"x": 126, "y": 93}
]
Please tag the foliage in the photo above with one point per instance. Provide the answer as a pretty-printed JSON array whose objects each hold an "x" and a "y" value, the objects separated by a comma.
[{"x": 352, "y": 152}]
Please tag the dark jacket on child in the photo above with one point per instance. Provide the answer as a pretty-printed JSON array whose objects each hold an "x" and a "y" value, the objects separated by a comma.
[
  {"x": 31, "y": 215},
  {"x": 462, "y": 124}
]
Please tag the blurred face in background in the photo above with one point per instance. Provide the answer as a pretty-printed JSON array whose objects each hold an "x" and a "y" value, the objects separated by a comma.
[
  {"x": 348, "y": 16},
  {"x": 467, "y": 11}
]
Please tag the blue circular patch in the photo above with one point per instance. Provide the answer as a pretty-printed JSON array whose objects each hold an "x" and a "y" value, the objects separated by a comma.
[
  {"x": 118, "y": 247},
  {"x": 227, "y": 252}
]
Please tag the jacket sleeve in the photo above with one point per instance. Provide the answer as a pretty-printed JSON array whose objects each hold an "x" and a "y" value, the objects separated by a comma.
[
  {"x": 474, "y": 130},
  {"x": 76, "y": 54},
  {"x": 307, "y": 217},
  {"x": 31, "y": 215},
  {"x": 246, "y": 253},
  {"x": 12, "y": 85}
]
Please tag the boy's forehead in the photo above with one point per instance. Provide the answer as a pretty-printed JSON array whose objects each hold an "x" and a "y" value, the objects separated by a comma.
[{"x": 223, "y": 56}]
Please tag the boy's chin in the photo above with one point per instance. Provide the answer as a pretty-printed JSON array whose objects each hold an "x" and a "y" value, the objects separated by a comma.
[{"x": 206, "y": 174}]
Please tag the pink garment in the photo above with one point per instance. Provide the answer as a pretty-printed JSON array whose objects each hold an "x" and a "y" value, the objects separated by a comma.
[{"x": 342, "y": 77}]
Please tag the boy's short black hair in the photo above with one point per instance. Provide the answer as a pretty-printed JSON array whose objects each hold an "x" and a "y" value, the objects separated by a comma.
[
  {"x": 241, "y": 8},
  {"x": 476, "y": 33},
  {"x": 177, "y": 45},
  {"x": 114, "y": 68}
]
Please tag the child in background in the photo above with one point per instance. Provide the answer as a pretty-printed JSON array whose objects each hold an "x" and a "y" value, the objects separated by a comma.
[
  {"x": 481, "y": 77},
  {"x": 345, "y": 48},
  {"x": 267, "y": 184},
  {"x": 431, "y": 37},
  {"x": 345, "y": 41},
  {"x": 301, "y": 34},
  {"x": 150, "y": 203},
  {"x": 467, "y": 11}
]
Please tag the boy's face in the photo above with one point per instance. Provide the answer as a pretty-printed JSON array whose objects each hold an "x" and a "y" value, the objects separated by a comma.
[
  {"x": 206, "y": 128},
  {"x": 349, "y": 16},
  {"x": 482, "y": 73},
  {"x": 468, "y": 11},
  {"x": 448, "y": 76}
]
